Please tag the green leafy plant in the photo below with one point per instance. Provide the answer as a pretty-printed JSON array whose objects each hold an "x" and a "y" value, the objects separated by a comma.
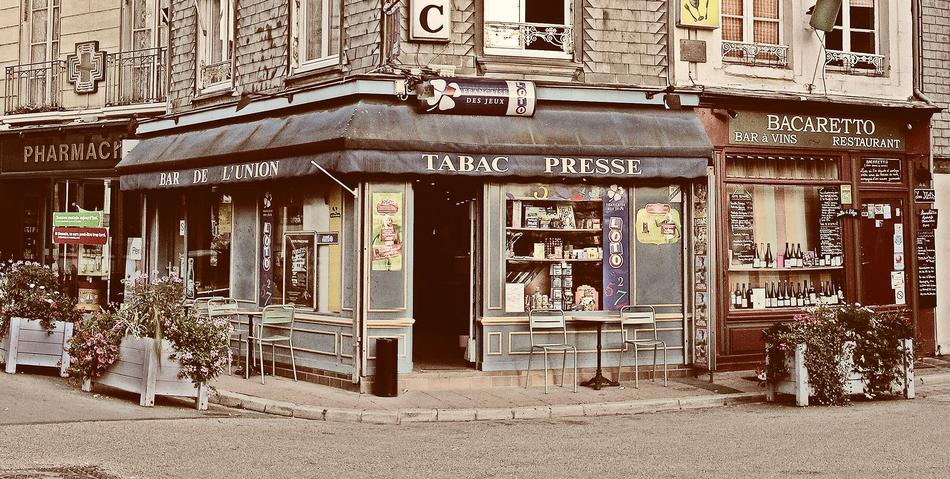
[
  {"x": 831, "y": 334},
  {"x": 155, "y": 309},
  {"x": 32, "y": 291}
]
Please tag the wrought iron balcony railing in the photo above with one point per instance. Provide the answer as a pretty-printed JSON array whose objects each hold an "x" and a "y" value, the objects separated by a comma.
[
  {"x": 34, "y": 87},
  {"x": 215, "y": 73},
  {"x": 856, "y": 63},
  {"x": 135, "y": 77},
  {"x": 758, "y": 54},
  {"x": 543, "y": 39}
]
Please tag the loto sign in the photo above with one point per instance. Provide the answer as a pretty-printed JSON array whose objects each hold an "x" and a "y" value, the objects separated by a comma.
[{"x": 430, "y": 20}]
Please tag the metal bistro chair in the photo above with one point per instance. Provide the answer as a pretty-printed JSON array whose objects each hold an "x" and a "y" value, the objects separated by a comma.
[
  {"x": 200, "y": 305},
  {"x": 218, "y": 306},
  {"x": 549, "y": 320},
  {"x": 274, "y": 315},
  {"x": 641, "y": 316}
]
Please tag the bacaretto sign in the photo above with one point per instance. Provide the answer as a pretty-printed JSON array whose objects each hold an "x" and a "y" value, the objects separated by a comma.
[{"x": 793, "y": 130}]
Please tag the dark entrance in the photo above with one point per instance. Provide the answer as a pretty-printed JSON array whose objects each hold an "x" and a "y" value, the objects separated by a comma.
[{"x": 444, "y": 236}]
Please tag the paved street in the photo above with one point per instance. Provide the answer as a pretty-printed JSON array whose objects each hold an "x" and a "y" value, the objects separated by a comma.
[{"x": 890, "y": 438}]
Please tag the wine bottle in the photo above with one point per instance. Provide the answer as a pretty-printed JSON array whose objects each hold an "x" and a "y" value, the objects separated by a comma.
[
  {"x": 743, "y": 299},
  {"x": 832, "y": 297},
  {"x": 736, "y": 302},
  {"x": 748, "y": 295},
  {"x": 769, "y": 260},
  {"x": 787, "y": 257},
  {"x": 812, "y": 295},
  {"x": 799, "y": 256},
  {"x": 799, "y": 296},
  {"x": 770, "y": 302},
  {"x": 756, "y": 262},
  {"x": 840, "y": 295},
  {"x": 782, "y": 295}
]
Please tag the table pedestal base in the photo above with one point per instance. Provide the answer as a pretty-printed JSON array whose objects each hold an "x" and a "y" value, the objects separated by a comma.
[{"x": 599, "y": 381}]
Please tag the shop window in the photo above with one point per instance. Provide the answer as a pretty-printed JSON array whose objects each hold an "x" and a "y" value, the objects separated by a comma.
[
  {"x": 782, "y": 167},
  {"x": 752, "y": 32},
  {"x": 209, "y": 229},
  {"x": 215, "y": 44},
  {"x": 853, "y": 44},
  {"x": 317, "y": 33},
  {"x": 307, "y": 268},
  {"x": 535, "y": 28},
  {"x": 785, "y": 247}
]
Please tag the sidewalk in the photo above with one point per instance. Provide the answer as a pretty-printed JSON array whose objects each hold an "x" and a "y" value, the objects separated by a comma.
[{"x": 284, "y": 397}]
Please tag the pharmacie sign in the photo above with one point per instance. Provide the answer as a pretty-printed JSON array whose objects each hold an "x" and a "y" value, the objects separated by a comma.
[
  {"x": 459, "y": 96},
  {"x": 61, "y": 150},
  {"x": 816, "y": 132}
]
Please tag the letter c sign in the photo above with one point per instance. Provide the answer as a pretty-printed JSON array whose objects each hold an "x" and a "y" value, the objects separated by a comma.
[{"x": 430, "y": 20}]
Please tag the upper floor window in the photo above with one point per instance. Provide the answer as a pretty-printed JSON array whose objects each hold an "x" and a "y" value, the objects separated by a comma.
[
  {"x": 215, "y": 43},
  {"x": 852, "y": 44},
  {"x": 36, "y": 83},
  {"x": 136, "y": 73},
  {"x": 318, "y": 33},
  {"x": 537, "y": 28},
  {"x": 752, "y": 32}
]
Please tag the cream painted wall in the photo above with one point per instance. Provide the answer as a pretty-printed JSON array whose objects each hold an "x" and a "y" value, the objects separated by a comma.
[
  {"x": 942, "y": 185},
  {"x": 81, "y": 20},
  {"x": 895, "y": 42}
]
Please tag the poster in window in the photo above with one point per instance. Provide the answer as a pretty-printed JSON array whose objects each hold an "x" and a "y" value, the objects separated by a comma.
[
  {"x": 387, "y": 231},
  {"x": 699, "y": 13},
  {"x": 299, "y": 269},
  {"x": 266, "y": 266}
]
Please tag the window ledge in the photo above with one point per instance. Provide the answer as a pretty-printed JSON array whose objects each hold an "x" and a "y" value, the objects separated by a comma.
[
  {"x": 211, "y": 94},
  {"x": 312, "y": 75},
  {"x": 529, "y": 68}
]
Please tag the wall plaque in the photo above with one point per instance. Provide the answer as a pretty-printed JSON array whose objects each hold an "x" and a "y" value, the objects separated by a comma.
[{"x": 880, "y": 170}]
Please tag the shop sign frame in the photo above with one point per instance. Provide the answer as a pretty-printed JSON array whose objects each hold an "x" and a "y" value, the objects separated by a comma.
[{"x": 804, "y": 131}]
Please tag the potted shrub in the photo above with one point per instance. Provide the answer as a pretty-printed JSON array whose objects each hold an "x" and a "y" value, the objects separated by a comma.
[
  {"x": 36, "y": 317},
  {"x": 152, "y": 345},
  {"x": 832, "y": 352}
]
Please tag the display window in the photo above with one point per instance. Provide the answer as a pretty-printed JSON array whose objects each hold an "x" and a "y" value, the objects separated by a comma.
[
  {"x": 785, "y": 245},
  {"x": 210, "y": 220},
  {"x": 307, "y": 253}
]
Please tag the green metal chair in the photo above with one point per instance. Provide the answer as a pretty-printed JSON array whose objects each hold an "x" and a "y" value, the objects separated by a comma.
[
  {"x": 274, "y": 316},
  {"x": 550, "y": 320},
  {"x": 641, "y": 316},
  {"x": 219, "y": 306}
]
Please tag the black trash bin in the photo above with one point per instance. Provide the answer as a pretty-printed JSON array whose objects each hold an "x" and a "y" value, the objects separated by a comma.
[{"x": 387, "y": 365}]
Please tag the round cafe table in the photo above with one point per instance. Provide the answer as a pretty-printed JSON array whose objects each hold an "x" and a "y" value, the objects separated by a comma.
[{"x": 599, "y": 380}]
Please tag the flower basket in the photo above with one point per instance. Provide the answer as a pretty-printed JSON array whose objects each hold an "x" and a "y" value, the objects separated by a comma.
[
  {"x": 142, "y": 371},
  {"x": 27, "y": 343},
  {"x": 796, "y": 380}
]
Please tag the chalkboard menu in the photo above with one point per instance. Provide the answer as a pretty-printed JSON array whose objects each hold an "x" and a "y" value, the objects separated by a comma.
[
  {"x": 741, "y": 226},
  {"x": 829, "y": 228},
  {"x": 926, "y": 268},
  {"x": 928, "y": 219},
  {"x": 880, "y": 170}
]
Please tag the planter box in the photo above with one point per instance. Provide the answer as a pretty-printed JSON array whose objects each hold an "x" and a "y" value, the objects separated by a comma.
[
  {"x": 796, "y": 382},
  {"x": 140, "y": 370},
  {"x": 28, "y": 344}
]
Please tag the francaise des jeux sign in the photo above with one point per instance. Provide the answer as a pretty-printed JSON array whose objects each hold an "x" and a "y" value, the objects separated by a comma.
[
  {"x": 459, "y": 96},
  {"x": 751, "y": 128}
]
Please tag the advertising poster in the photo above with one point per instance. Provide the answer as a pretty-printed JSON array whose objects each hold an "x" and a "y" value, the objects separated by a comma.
[
  {"x": 266, "y": 271},
  {"x": 699, "y": 13},
  {"x": 387, "y": 231},
  {"x": 299, "y": 269},
  {"x": 616, "y": 249},
  {"x": 658, "y": 223}
]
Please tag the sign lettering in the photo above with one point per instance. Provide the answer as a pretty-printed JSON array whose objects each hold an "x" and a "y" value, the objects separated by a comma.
[
  {"x": 813, "y": 131},
  {"x": 430, "y": 20}
]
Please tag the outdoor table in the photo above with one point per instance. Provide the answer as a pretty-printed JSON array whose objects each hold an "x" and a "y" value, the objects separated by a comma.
[
  {"x": 250, "y": 313},
  {"x": 599, "y": 380}
]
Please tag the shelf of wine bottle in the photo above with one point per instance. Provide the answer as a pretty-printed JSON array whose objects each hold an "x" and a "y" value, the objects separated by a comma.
[{"x": 749, "y": 269}]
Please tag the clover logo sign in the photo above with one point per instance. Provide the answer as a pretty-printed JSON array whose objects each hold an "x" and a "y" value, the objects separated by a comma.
[{"x": 444, "y": 95}]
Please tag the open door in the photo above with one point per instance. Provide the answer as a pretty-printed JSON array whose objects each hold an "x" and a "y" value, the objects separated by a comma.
[{"x": 471, "y": 349}]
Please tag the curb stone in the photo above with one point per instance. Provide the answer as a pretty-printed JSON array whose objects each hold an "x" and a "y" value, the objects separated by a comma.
[{"x": 414, "y": 415}]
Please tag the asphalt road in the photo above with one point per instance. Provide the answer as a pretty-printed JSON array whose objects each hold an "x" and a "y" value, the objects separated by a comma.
[{"x": 867, "y": 439}]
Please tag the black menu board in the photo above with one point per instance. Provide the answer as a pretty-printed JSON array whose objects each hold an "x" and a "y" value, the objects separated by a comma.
[
  {"x": 829, "y": 228},
  {"x": 741, "y": 226},
  {"x": 926, "y": 268},
  {"x": 928, "y": 219},
  {"x": 880, "y": 170}
]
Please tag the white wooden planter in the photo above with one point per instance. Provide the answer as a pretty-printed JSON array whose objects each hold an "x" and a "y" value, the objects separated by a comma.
[
  {"x": 27, "y": 344},
  {"x": 796, "y": 383},
  {"x": 138, "y": 370}
]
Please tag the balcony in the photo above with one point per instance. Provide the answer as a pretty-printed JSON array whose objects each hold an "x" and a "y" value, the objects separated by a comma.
[
  {"x": 529, "y": 39},
  {"x": 34, "y": 87},
  {"x": 755, "y": 54},
  {"x": 867, "y": 64},
  {"x": 136, "y": 77}
]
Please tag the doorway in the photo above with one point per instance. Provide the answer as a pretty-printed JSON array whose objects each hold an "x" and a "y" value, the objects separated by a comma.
[
  {"x": 443, "y": 274},
  {"x": 882, "y": 249}
]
